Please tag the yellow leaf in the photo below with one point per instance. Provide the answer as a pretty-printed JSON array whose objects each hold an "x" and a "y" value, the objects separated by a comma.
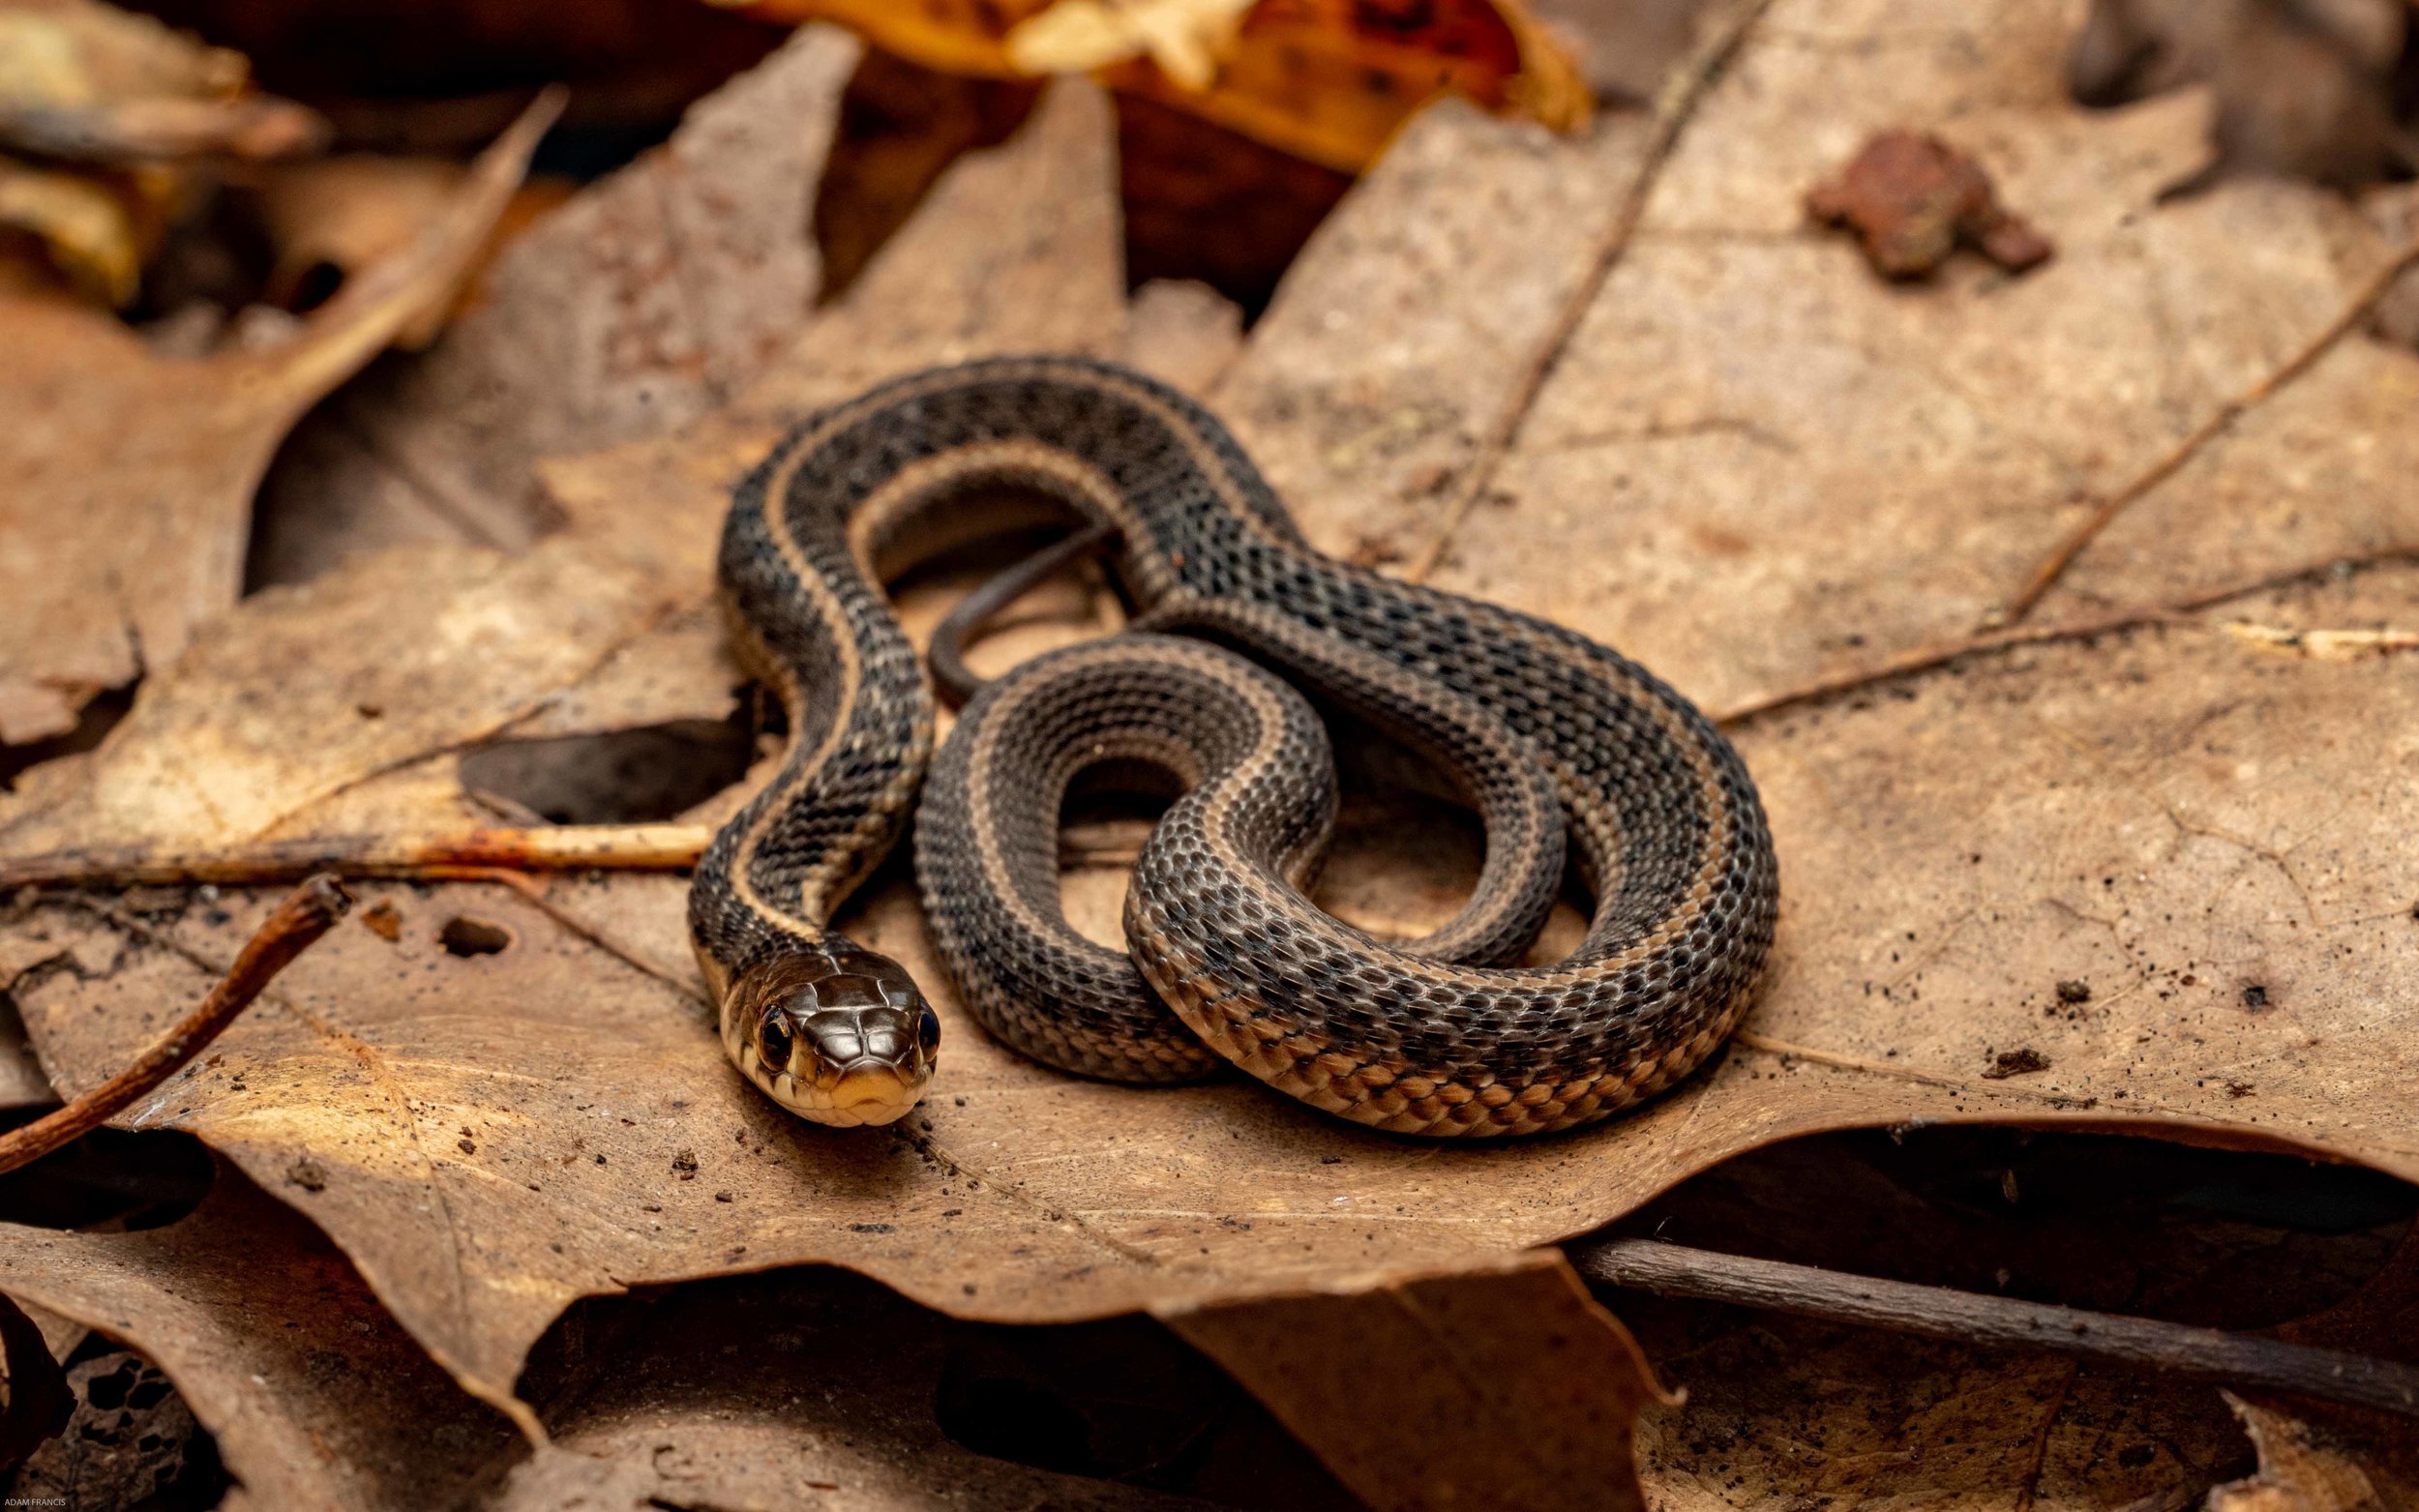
[{"x": 1185, "y": 38}]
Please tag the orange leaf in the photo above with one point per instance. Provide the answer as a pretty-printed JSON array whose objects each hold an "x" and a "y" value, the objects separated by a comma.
[{"x": 1328, "y": 80}]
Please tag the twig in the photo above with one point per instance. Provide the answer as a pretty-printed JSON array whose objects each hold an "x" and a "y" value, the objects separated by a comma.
[
  {"x": 1967, "y": 1318},
  {"x": 1673, "y": 106},
  {"x": 309, "y": 911},
  {"x": 1927, "y": 658},
  {"x": 648, "y": 847},
  {"x": 2053, "y": 566}
]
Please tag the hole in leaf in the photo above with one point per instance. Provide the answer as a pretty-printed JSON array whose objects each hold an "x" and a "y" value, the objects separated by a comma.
[
  {"x": 622, "y": 777},
  {"x": 465, "y": 935}
]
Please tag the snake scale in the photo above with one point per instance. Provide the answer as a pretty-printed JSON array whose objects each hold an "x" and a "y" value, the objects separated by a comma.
[{"x": 1563, "y": 748}]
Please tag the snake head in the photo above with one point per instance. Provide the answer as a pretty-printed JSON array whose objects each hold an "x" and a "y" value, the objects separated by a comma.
[{"x": 834, "y": 1032}]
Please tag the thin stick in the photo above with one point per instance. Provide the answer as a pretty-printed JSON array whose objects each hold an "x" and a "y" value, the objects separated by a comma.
[
  {"x": 1927, "y": 658},
  {"x": 2052, "y": 567},
  {"x": 309, "y": 911},
  {"x": 1939, "y": 1313},
  {"x": 572, "y": 848},
  {"x": 1673, "y": 106}
]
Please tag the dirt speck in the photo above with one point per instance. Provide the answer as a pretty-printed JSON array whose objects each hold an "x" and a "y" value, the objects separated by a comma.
[{"x": 2018, "y": 1063}]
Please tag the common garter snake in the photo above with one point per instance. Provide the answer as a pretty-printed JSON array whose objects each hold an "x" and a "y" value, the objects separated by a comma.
[{"x": 1562, "y": 746}]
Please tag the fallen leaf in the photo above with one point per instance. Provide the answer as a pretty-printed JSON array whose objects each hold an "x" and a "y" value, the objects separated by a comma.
[
  {"x": 1014, "y": 249},
  {"x": 315, "y": 1399},
  {"x": 694, "y": 1399},
  {"x": 89, "y": 83},
  {"x": 1180, "y": 333},
  {"x": 1504, "y": 1384},
  {"x": 86, "y": 225},
  {"x": 431, "y": 650},
  {"x": 2302, "y": 1471},
  {"x": 643, "y": 303},
  {"x": 1324, "y": 80},
  {"x": 1775, "y": 1407},
  {"x": 313, "y": 1395},
  {"x": 328, "y": 219},
  {"x": 133, "y": 474},
  {"x": 2300, "y": 89},
  {"x": 123, "y": 120},
  {"x": 1721, "y": 446},
  {"x": 131, "y": 1437},
  {"x": 1184, "y": 38}
]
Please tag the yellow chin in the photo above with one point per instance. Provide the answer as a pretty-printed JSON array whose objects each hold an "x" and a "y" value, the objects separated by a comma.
[{"x": 864, "y": 1096}]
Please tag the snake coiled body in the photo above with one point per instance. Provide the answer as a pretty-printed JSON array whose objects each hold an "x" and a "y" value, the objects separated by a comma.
[{"x": 1559, "y": 743}]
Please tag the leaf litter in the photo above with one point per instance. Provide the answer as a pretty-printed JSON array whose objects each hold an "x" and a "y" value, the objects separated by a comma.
[{"x": 1747, "y": 461}]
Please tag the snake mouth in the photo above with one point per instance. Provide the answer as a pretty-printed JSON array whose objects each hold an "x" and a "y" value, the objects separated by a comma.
[{"x": 864, "y": 1095}]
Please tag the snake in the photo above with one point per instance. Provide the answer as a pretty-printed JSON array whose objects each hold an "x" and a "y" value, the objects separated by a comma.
[{"x": 1582, "y": 767}]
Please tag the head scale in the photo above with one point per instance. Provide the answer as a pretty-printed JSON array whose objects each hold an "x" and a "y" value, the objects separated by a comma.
[{"x": 834, "y": 1032}]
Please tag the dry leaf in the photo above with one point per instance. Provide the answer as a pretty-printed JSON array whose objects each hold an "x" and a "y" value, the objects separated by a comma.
[
  {"x": 1181, "y": 333},
  {"x": 802, "y": 1388},
  {"x": 330, "y": 218},
  {"x": 2300, "y": 1471},
  {"x": 1503, "y": 1385},
  {"x": 1324, "y": 79},
  {"x": 642, "y": 305},
  {"x": 131, "y": 1437},
  {"x": 129, "y": 104},
  {"x": 314, "y": 1398},
  {"x": 88, "y": 82},
  {"x": 132, "y": 474},
  {"x": 1184, "y": 38},
  {"x": 1014, "y": 249},
  {"x": 1750, "y": 464},
  {"x": 1777, "y": 1408},
  {"x": 85, "y": 223},
  {"x": 2301, "y": 88}
]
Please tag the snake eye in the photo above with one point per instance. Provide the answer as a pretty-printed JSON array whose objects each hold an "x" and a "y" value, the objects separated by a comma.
[
  {"x": 774, "y": 1040},
  {"x": 927, "y": 1034}
]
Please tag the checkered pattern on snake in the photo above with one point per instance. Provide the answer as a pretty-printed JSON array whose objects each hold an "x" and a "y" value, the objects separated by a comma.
[{"x": 1562, "y": 747}]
